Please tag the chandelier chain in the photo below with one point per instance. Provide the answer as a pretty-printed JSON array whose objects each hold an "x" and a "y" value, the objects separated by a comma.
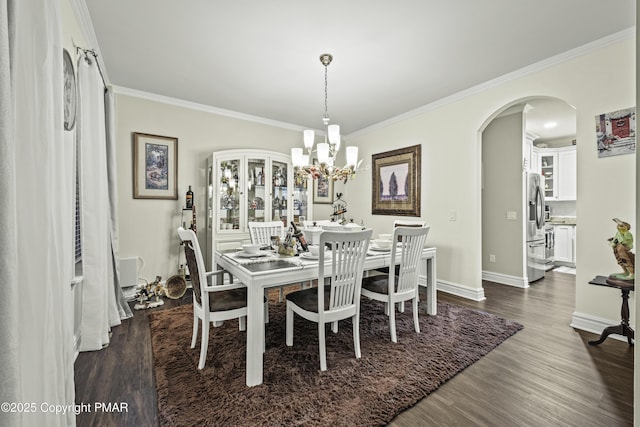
[{"x": 325, "y": 118}]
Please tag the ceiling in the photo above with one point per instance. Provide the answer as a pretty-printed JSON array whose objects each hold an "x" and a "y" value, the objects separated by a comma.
[{"x": 262, "y": 58}]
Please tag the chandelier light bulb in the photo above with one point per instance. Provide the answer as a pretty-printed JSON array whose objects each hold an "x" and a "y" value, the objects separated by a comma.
[
  {"x": 334, "y": 134},
  {"x": 323, "y": 152},
  {"x": 352, "y": 155},
  {"x": 309, "y": 137}
]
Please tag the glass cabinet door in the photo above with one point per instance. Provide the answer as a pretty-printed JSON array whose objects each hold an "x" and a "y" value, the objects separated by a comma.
[
  {"x": 230, "y": 191},
  {"x": 300, "y": 198},
  {"x": 256, "y": 189},
  {"x": 279, "y": 192},
  {"x": 548, "y": 169}
]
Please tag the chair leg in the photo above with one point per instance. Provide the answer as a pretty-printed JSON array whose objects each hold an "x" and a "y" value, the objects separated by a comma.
[
  {"x": 289, "y": 326},
  {"x": 401, "y": 307},
  {"x": 323, "y": 350},
  {"x": 415, "y": 315},
  {"x": 266, "y": 311},
  {"x": 280, "y": 295},
  {"x": 194, "y": 336},
  {"x": 334, "y": 327},
  {"x": 356, "y": 335},
  {"x": 242, "y": 323},
  {"x": 392, "y": 323},
  {"x": 204, "y": 345}
]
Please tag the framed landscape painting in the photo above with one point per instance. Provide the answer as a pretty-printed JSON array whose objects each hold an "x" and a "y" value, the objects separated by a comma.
[
  {"x": 394, "y": 182},
  {"x": 155, "y": 167}
]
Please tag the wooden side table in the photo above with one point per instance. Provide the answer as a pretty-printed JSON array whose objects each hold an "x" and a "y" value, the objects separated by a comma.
[{"x": 623, "y": 328}]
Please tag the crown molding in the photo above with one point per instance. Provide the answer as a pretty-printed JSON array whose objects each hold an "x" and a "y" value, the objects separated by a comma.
[
  {"x": 530, "y": 69},
  {"x": 120, "y": 90}
]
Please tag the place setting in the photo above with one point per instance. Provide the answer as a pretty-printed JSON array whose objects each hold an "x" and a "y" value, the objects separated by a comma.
[
  {"x": 380, "y": 245},
  {"x": 252, "y": 251},
  {"x": 313, "y": 253}
]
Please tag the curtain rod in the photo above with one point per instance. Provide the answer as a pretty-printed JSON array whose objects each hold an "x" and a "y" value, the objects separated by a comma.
[{"x": 92, "y": 52}]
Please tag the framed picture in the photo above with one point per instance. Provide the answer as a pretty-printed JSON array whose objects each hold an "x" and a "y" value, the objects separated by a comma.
[
  {"x": 322, "y": 190},
  {"x": 155, "y": 167},
  {"x": 616, "y": 133},
  {"x": 394, "y": 182}
]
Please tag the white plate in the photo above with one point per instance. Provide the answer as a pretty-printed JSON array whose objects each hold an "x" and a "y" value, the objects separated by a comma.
[
  {"x": 243, "y": 254},
  {"x": 377, "y": 249}
]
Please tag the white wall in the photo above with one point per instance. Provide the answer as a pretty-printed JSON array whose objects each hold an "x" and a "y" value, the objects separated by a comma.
[
  {"x": 502, "y": 142},
  {"x": 451, "y": 145},
  {"x": 148, "y": 227}
]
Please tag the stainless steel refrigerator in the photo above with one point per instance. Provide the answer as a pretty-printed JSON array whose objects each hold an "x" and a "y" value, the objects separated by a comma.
[{"x": 535, "y": 243}]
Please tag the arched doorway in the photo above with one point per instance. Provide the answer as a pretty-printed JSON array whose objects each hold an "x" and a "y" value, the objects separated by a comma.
[{"x": 517, "y": 140}]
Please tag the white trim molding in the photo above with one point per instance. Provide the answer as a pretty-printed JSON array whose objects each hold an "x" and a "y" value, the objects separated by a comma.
[
  {"x": 504, "y": 279},
  {"x": 120, "y": 90},
  {"x": 587, "y": 322},
  {"x": 457, "y": 289}
]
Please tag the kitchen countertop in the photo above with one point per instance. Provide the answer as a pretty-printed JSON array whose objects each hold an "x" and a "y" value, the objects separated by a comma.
[{"x": 562, "y": 220}]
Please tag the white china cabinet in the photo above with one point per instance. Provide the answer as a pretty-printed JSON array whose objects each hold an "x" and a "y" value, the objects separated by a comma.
[{"x": 250, "y": 185}]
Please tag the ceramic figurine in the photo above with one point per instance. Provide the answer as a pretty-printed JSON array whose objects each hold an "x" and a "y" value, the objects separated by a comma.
[{"x": 622, "y": 243}]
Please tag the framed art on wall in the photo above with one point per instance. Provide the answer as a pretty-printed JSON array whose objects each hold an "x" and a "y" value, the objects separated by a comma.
[
  {"x": 322, "y": 190},
  {"x": 394, "y": 182},
  {"x": 616, "y": 132},
  {"x": 155, "y": 167}
]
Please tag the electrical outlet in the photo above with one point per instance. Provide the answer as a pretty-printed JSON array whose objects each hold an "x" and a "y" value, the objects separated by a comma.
[
  {"x": 512, "y": 215},
  {"x": 492, "y": 258},
  {"x": 452, "y": 215}
]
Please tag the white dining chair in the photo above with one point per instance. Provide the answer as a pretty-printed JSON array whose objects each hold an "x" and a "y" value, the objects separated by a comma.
[
  {"x": 213, "y": 299},
  {"x": 396, "y": 288},
  {"x": 337, "y": 295},
  {"x": 261, "y": 233}
]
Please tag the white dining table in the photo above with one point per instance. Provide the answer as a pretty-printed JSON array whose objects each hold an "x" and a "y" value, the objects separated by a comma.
[{"x": 272, "y": 270}]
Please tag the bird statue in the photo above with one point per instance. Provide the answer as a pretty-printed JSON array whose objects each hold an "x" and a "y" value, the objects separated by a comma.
[{"x": 622, "y": 243}]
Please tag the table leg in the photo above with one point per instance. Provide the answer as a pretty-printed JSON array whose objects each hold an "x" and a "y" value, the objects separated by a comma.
[
  {"x": 432, "y": 303},
  {"x": 623, "y": 328},
  {"x": 255, "y": 334}
]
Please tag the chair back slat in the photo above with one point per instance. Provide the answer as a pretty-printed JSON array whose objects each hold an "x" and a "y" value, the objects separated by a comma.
[
  {"x": 412, "y": 240},
  {"x": 261, "y": 232},
  {"x": 348, "y": 251}
]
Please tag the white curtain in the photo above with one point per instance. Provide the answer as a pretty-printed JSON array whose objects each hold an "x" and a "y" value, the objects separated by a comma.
[
  {"x": 112, "y": 176},
  {"x": 36, "y": 216},
  {"x": 100, "y": 308}
]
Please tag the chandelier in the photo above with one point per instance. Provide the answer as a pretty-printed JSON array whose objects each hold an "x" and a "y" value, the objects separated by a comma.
[{"x": 327, "y": 151}]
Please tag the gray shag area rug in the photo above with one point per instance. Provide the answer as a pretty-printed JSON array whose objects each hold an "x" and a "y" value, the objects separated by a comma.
[{"x": 371, "y": 391}]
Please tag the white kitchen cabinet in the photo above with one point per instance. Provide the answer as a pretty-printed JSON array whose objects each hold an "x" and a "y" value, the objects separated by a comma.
[
  {"x": 559, "y": 166},
  {"x": 549, "y": 169},
  {"x": 564, "y": 248},
  {"x": 250, "y": 185},
  {"x": 567, "y": 182}
]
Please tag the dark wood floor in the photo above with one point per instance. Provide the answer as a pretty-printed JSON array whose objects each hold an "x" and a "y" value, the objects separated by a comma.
[{"x": 545, "y": 375}]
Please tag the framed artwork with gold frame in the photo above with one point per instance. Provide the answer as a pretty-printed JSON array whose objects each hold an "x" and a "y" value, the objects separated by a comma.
[{"x": 394, "y": 182}]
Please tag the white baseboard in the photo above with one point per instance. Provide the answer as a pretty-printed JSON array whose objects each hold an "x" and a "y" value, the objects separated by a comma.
[
  {"x": 503, "y": 279},
  {"x": 593, "y": 324},
  {"x": 461, "y": 291}
]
